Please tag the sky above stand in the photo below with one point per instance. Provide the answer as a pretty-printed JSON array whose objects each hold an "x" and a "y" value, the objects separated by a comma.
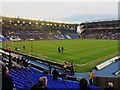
[{"x": 76, "y": 11}]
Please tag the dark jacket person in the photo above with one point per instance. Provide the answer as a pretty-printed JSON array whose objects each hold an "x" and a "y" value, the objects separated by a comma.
[
  {"x": 84, "y": 84},
  {"x": 7, "y": 82},
  {"x": 55, "y": 74},
  {"x": 41, "y": 85}
]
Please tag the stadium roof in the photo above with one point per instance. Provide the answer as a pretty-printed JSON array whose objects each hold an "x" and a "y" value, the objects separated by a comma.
[{"x": 36, "y": 19}]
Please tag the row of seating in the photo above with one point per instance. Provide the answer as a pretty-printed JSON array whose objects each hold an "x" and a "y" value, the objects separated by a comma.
[{"x": 24, "y": 78}]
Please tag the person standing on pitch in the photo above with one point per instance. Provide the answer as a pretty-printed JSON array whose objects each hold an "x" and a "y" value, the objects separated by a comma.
[
  {"x": 23, "y": 47},
  {"x": 59, "y": 49},
  {"x": 62, "y": 49}
]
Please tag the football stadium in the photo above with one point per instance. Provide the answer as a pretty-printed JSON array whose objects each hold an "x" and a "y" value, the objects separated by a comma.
[{"x": 53, "y": 55}]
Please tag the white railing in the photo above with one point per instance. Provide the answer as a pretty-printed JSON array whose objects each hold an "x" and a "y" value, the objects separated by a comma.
[{"x": 106, "y": 63}]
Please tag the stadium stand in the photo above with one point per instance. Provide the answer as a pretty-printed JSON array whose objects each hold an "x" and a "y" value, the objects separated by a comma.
[
  {"x": 101, "y": 30},
  {"x": 25, "y": 77},
  {"x": 17, "y": 29}
]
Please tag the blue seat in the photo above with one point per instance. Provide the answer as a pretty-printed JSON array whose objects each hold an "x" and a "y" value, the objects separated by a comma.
[{"x": 24, "y": 78}]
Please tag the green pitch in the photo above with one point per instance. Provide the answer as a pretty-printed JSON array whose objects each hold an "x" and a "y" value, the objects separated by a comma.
[{"x": 85, "y": 54}]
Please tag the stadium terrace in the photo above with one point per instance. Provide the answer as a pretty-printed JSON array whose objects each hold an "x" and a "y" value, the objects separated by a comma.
[{"x": 58, "y": 53}]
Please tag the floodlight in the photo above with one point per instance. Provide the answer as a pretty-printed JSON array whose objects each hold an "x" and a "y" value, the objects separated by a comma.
[
  {"x": 10, "y": 21},
  {"x": 42, "y": 23},
  {"x": 29, "y": 22},
  {"x": 23, "y": 22},
  {"x": 18, "y": 21}
]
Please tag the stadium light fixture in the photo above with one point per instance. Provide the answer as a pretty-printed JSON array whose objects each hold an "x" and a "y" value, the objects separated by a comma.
[
  {"x": 48, "y": 24},
  {"x": 18, "y": 21},
  {"x": 47, "y": 20},
  {"x": 10, "y": 21},
  {"x": 4, "y": 16},
  {"x": 15, "y": 24},
  {"x": 68, "y": 26},
  {"x": 25, "y": 18},
  {"x": 29, "y": 22},
  {"x": 41, "y": 20},
  {"x": 0, "y": 20},
  {"x": 42, "y": 23},
  {"x": 22, "y": 17},
  {"x": 23, "y": 22},
  {"x": 17, "y": 16},
  {"x": 11, "y": 16}
]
